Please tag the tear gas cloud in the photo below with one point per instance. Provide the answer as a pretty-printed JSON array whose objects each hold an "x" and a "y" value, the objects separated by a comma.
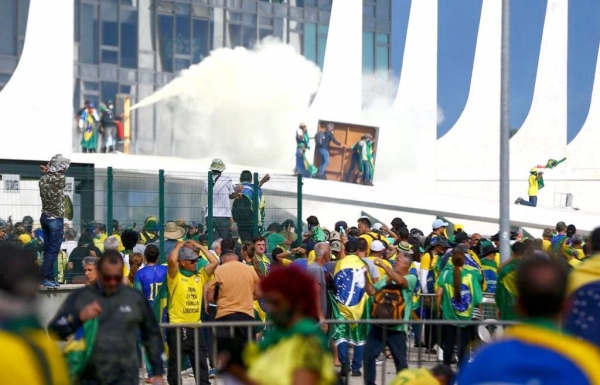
[{"x": 241, "y": 105}]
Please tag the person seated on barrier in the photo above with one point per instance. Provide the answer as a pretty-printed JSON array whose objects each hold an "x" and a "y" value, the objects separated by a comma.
[
  {"x": 537, "y": 351},
  {"x": 294, "y": 351},
  {"x": 398, "y": 286},
  {"x": 458, "y": 293}
]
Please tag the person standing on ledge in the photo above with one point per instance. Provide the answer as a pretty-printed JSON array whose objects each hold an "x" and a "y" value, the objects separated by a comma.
[
  {"x": 52, "y": 184},
  {"x": 323, "y": 140},
  {"x": 534, "y": 177}
]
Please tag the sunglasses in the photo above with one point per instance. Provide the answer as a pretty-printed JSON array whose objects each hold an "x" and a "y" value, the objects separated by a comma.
[
  {"x": 112, "y": 278},
  {"x": 193, "y": 261}
]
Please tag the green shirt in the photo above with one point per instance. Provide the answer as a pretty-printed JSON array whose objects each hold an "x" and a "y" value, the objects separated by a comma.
[
  {"x": 506, "y": 291},
  {"x": 406, "y": 296},
  {"x": 471, "y": 296}
]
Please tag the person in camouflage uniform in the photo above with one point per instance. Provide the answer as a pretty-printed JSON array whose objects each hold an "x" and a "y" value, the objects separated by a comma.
[{"x": 52, "y": 184}]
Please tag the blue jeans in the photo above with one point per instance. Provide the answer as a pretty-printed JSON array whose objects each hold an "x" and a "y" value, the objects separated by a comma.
[
  {"x": 375, "y": 343},
  {"x": 357, "y": 357},
  {"x": 53, "y": 236},
  {"x": 300, "y": 169},
  {"x": 366, "y": 172},
  {"x": 324, "y": 161},
  {"x": 531, "y": 202},
  {"x": 354, "y": 162}
]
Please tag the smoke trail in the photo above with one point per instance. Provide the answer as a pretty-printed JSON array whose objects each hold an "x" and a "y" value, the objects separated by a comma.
[{"x": 242, "y": 105}]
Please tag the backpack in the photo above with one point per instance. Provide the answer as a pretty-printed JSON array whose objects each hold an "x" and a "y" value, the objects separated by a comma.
[
  {"x": 320, "y": 139},
  {"x": 388, "y": 303}
]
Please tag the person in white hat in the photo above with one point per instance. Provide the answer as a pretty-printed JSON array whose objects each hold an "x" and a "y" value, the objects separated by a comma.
[
  {"x": 223, "y": 191},
  {"x": 172, "y": 234}
]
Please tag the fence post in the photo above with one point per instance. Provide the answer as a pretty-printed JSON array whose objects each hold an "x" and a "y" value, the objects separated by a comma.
[
  {"x": 299, "y": 207},
  {"x": 109, "y": 200},
  {"x": 255, "y": 207},
  {"x": 209, "y": 217},
  {"x": 161, "y": 211}
]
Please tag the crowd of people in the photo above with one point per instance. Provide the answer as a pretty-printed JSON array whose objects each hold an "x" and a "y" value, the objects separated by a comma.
[
  {"x": 99, "y": 127},
  {"x": 335, "y": 298}
]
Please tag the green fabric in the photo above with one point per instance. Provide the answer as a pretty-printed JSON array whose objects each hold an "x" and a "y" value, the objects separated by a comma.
[
  {"x": 355, "y": 334},
  {"x": 79, "y": 350},
  {"x": 275, "y": 240},
  {"x": 545, "y": 323},
  {"x": 20, "y": 324},
  {"x": 553, "y": 163},
  {"x": 318, "y": 235},
  {"x": 407, "y": 295},
  {"x": 506, "y": 295},
  {"x": 449, "y": 309},
  {"x": 150, "y": 224},
  {"x": 369, "y": 159},
  {"x": 304, "y": 327}
]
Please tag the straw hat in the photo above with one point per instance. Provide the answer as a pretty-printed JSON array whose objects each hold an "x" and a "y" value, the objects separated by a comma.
[{"x": 172, "y": 231}]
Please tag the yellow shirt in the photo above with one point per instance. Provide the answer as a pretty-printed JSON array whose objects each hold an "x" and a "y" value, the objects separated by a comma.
[
  {"x": 99, "y": 242},
  {"x": 370, "y": 237},
  {"x": 547, "y": 246},
  {"x": 185, "y": 294},
  {"x": 419, "y": 376},
  {"x": 311, "y": 257},
  {"x": 381, "y": 269},
  {"x": 533, "y": 186},
  {"x": 19, "y": 364},
  {"x": 580, "y": 254}
]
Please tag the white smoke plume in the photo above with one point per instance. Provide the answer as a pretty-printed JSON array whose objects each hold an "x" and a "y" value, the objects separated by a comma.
[{"x": 242, "y": 105}]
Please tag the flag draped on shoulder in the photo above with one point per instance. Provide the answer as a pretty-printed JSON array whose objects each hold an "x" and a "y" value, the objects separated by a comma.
[
  {"x": 506, "y": 290},
  {"x": 350, "y": 301},
  {"x": 78, "y": 350}
]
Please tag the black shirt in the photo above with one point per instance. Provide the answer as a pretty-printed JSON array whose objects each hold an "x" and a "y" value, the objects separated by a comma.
[
  {"x": 327, "y": 140},
  {"x": 76, "y": 257}
]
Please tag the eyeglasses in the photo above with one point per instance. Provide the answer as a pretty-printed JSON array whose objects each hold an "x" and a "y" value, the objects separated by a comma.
[
  {"x": 112, "y": 278},
  {"x": 193, "y": 261}
]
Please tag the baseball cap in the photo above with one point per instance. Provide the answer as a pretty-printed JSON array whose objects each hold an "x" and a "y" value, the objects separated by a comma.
[
  {"x": 336, "y": 245},
  {"x": 193, "y": 225},
  {"x": 377, "y": 226},
  {"x": 186, "y": 254},
  {"x": 440, "y": 240},
  {"x": 377, "y": 246},
  {"x": 365, "y": 218},
  {"x": 438, "y": 223}
]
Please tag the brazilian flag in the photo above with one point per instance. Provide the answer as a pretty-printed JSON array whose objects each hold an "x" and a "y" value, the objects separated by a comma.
[{"x": 506, "y": 291}]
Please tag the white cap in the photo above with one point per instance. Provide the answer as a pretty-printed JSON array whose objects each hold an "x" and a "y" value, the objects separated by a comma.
[
  {"x": 377, "y": 226},
  {"x": 438, "y": 223},
  {"x": 377, "y": 246}
]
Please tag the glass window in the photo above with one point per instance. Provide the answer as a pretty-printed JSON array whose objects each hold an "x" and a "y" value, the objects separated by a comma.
[
  {"x": 183, "y": 31},
  {"x": 125, "y": 89},
  {"x": 201, "y": 39},
  {"x": 368, "y": 52},
  {"x": 7, "y": 28},
  {"x": 382, "y": 39},
  {"x": 109, "y": 91},
  {"x": 264, "y": 32},
  {"x": 93, "y": 98},
  {"x": 110, "y": 28},
  {"x": 181, "y": 64},
  {"x": 323, "y": 30},
  {"x": 129, "y": 38},
  {"x": 235, "y": 35},
  {"x": 91, "y": 86},
  {"x": 165, "y": 39},
  {"x": 383, "y": 9},
  {"x": 89, "y": 34},
  {"x": 110, "y": 57},
  {"x": 382, "y": 58},
  {"x": 325, "y": 5},
  {"x": 76, "y": 29},
  {"x": 368, "y": 10},
  {"x": 265, "y": 21},
  {"x": 23, "y": 13},
  {"x": 249, "y": 29},
  {"x": 295, "y": 35},
  {"x": 278, "y": 27},
  {"x": 310, "y": 41}
]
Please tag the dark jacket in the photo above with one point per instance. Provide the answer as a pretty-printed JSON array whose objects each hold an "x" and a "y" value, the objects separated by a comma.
[
  {"x": 327, "y": 140},
  {"x": 114, "y": 358}
]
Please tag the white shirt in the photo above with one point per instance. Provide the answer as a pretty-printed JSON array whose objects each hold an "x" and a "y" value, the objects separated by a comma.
[
  {"x": 222, "y": 189},
  {"x": 68, "y": 246}
]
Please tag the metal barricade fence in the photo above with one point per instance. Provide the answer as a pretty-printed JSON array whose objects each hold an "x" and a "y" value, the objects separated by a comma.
[
  {"x": 413, "y": 358},
  {"x": 121, "y": 198}
]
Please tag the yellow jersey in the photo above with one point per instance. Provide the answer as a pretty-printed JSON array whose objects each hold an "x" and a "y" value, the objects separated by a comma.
[
  {"x": 20, "y": 364},
  {"x": 533, "y": 186},
  {"x": 370, "y": 237},
  {"x": 185, "y": 295},
  {"x": 381, "y": 269}
]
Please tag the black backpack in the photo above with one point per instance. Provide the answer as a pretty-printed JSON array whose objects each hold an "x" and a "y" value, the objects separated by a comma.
[{"x": 320, "y": 139}]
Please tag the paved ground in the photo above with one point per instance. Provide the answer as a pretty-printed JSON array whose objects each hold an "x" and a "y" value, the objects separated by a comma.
[{"x": 427, "y": 360}]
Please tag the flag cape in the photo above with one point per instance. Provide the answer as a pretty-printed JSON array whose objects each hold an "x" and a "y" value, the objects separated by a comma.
[
  {"x": 506, "y": 290},
  {"x": 350, "y": 301},
  {"x": 89, "y": 125}
]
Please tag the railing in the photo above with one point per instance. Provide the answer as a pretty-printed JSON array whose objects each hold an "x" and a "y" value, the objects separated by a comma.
[{"x": 415, "y": 356}]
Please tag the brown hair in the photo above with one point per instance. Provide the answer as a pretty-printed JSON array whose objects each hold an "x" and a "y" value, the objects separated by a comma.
[
  {"x": 248, "y": 248},
  {"x": 458, "y": 260},
  {"x": 135, "y": 261}
]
